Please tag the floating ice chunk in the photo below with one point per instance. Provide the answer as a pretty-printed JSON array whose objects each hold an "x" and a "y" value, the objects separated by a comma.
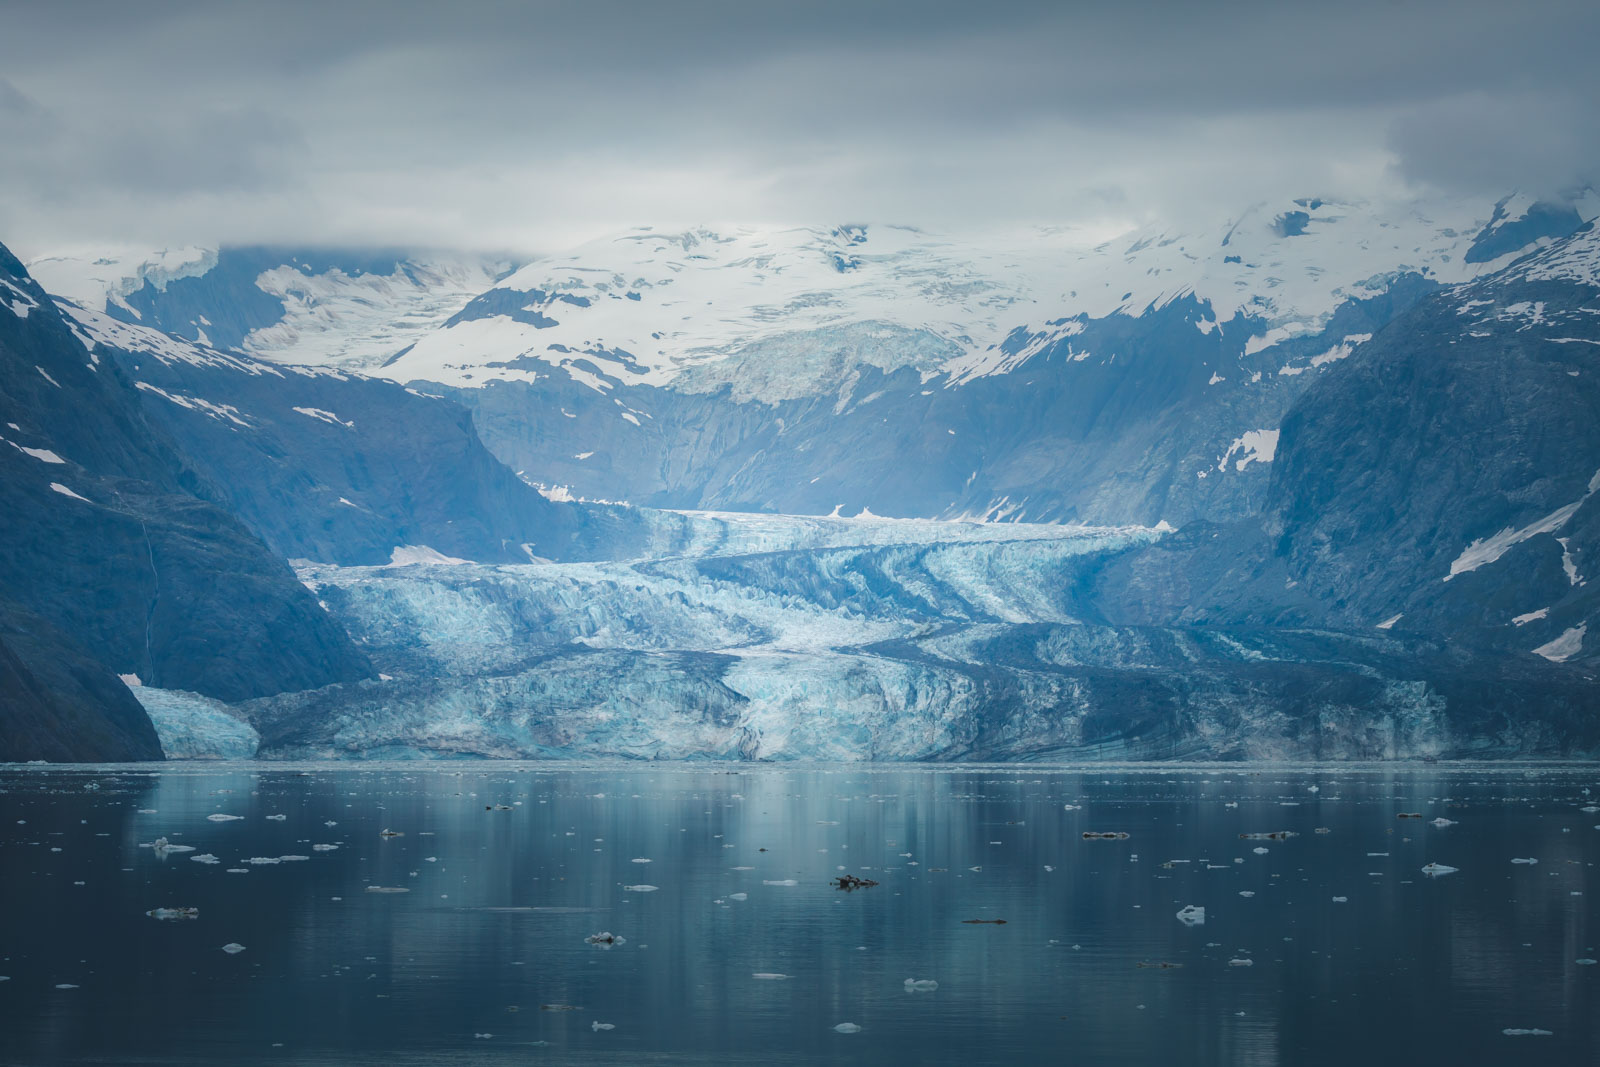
[
  {"x": 174, "y": 913},
  {"x": 779, "y": 881},
  {"x": 640, "y": 888},
  {"x": 1586, "y": 962},
  {"x": 738, "y": 896},
  {"x": 1241, "y": 963},
  {"x": 386, "y": 832},
  {"x": 238, "y": 870},
  {"x": 1192, "y": 915},
  {"x": 1530, "y": 861},
  {"x": 639, "y": 859},
  {"x": 65, "y": 985},
  {"x": 1535, "y": 1032},
  {"x": 219, "y": 817},
  {"x": 1247, "y": 892},
  {"x": 1072, "y": 807},
  {"x": 162, "y": 847},
  {"x": 1434, "y": 870},
  {"x": 233, "y": 948},
  {"x": 204, "y": 857},
  {"x": 263, "y": 861},
  {"x": 768, "y": 976},
  {"x": 293, "y": 859},
  {"x": 276, "y": 818},
  {"x": 847, "y": 1028},
  {"x": 323, "y": 848},
  {"x": 1260, "y": 850},
  {"x": 330, "y": 823},
  {"x": 1441, "y": 822},
  {"x": 606, "y": 938},
  {"x": 602, "y": 1026},
  {"x": 1341, "y": 900},
  {"x": 387, "y": 889},
  {"x": 921, "y": 985}
]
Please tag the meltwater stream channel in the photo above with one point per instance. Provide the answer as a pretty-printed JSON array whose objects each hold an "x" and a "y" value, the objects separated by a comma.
[{"x": 445, "y": 913}]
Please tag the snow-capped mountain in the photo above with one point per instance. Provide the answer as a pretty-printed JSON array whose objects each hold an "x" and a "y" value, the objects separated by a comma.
[
  {"x": 1024, "y": 376},
  {"x": 710, "y": 307},
  {"x": 339, "y": 467},
  {"x": 310, "y": 307}
]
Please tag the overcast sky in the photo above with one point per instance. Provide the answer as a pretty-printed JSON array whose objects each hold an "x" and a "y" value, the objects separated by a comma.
[{"x": 527, "y": 126}]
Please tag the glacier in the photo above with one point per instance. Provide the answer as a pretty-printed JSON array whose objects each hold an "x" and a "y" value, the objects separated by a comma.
[
  {"x": 192, "y": 726},
  {"x": 774, "y": 638}
]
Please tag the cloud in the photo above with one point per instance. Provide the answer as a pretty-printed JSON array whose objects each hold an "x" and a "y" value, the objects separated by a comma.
[
  {"x": 1544, "y": 144},
  {"x": 498, "y": 124}
]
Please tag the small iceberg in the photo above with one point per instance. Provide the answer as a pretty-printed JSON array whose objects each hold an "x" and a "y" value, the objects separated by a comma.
[
  {"x": 1192, "y": 915},
  {"x": 921, "y": 985},
  {"x": 1434, "y": 870},
  {"x": 847, "y": 1028},
  {"x": 640, "y": 888}
]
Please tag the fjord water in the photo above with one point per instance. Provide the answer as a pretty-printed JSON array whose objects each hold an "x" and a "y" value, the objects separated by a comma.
[{"x": 510, "y": 867}]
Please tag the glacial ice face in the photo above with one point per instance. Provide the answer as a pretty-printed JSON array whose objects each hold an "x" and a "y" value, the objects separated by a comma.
[
  {"x": 192, "y": 726},
  {"x": 924, "y": 650}
]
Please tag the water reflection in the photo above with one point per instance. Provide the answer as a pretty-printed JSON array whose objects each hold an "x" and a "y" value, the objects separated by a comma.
[{"x": 509, "y": 868}]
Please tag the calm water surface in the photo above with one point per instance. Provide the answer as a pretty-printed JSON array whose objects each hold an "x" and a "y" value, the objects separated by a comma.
[{"x": 510, "y": 867}]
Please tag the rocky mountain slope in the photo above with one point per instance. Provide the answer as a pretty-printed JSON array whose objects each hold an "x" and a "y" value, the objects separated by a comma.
[
  {"x": 1441, "y": 481},
  {"x": 114, "y": 559},
  {"x": 801, "y": 371},
  {"x": 342, "y": 468}
]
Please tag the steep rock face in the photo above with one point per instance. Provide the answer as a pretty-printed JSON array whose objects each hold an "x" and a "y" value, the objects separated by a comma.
[
  {"x": 103, "y": 537},
  {"x": 1448, "y": 479},
  {"x": 1443, "y": 481},
  {"x": 1162, "y": 415},
  {"x": 58, "y": 704},
  {"x": 338, "y": 467}
]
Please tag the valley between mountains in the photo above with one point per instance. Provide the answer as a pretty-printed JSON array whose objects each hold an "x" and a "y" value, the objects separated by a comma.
[{"x": 1321, "y": 481}]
